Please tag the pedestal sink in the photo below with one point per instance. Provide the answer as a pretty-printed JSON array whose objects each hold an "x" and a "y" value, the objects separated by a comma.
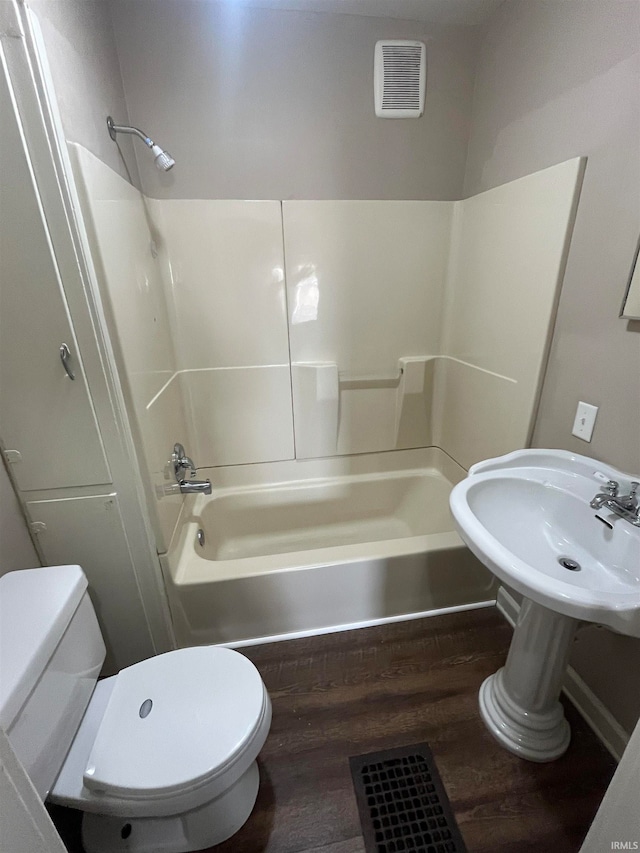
[{"x": 527, "y": 517}]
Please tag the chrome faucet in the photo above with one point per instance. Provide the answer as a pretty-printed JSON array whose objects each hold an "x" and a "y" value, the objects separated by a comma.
[
  {"x": 625, "y": 506},
  {"x": 183, "y": 463}
]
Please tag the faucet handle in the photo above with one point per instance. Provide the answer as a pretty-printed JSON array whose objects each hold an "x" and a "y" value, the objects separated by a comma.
[
  {"x": 634, "y": 488},
  {"x": 612, "y": 488},
  {"x": 182, "y": 462}
]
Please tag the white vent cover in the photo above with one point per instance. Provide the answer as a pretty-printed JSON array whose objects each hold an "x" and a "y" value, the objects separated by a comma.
[{"x": 400, "y": 73}]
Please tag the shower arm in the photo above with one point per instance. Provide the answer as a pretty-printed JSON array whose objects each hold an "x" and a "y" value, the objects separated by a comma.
[
  {"x": 123, "y": 128},
  {"x": 164, "y": 160}
]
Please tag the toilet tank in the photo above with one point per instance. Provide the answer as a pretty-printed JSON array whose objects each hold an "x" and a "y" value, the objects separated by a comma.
[{"x": 51, "y": 653}]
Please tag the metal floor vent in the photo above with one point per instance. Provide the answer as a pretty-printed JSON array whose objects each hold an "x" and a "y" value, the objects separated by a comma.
[{"x": 403, "y": 804}]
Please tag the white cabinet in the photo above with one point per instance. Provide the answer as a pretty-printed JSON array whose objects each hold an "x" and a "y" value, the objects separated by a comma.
[
  {"x": 88, "y": 531},
  {"x": 44, "y": 416},
  {"x": 68, "y": 441}
]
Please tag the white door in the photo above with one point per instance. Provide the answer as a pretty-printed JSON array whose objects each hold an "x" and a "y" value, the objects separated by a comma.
[{"x": 46, "y": 418}]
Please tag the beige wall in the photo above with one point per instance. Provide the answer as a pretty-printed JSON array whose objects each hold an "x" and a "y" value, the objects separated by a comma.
[
  {"x": 16, "y": 547},
  {"x": 84, "y": 64},
  {"x": 264, "y": 104},
  {"x": 556, "y": 80}
]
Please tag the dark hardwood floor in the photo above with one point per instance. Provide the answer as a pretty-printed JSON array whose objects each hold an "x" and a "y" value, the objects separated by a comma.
[{"x": 354, "y": 692}]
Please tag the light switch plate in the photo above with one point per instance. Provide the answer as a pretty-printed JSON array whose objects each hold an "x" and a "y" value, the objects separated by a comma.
[{"x": 585, "y": 420}]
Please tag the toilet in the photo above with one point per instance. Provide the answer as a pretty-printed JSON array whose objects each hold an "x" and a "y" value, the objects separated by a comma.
[{"x": 161, "y": 757}]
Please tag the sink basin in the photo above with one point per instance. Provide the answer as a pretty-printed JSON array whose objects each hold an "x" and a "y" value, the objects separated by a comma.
[
  {"x": 526, "y": 524},
  {"x": 527, "y": 517}
]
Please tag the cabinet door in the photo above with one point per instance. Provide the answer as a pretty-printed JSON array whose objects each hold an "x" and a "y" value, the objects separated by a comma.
[
  {"x": 44, "y": 415},
  {"x": 88, "y": 532}
]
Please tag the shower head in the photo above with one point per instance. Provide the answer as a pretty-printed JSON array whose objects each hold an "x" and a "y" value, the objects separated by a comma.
[{"x": 164, "y": 161}]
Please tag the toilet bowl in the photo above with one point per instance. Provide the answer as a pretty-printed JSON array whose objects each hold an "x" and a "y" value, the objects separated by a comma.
[{"x": 163, "y": 757}]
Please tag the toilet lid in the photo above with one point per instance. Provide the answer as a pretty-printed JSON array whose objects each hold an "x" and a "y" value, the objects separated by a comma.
[{"x": 174, "y": 722}]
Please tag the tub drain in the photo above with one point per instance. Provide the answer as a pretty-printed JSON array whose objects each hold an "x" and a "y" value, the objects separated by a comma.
[{"x": 570, "y": 564}]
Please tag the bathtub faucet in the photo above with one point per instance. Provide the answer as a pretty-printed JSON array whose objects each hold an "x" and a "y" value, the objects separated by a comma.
[
  {"x": 183, "y": 463},
  {"x": 192, "y": 487}
]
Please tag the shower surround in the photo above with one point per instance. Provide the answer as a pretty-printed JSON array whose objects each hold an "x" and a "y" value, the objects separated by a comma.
[{"x": 280, "y": 341}]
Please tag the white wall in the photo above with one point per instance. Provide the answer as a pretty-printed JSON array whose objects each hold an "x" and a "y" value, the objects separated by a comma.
[
  {"x": 557, "y": 80},
  {"x": 16, "y": 547},
  {"x": 125, "y": 249},
  {"x": 264, "y": 104},
  {"x": 223, "y": 263},
  {"x": 466, "y": 291},
  {"x": 505, "y": 271},
  {"x": 366, "y": 285},
  {"x": 410, "y": 323}
]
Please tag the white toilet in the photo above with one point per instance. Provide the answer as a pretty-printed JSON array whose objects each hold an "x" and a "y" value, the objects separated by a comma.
[{"x": 161, "y": 758}]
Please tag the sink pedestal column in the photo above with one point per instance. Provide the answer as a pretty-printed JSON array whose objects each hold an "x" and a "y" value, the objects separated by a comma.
[{"x": 519, "y": 703}]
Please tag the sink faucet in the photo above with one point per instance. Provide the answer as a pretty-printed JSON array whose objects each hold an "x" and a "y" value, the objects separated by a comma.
[
  {"x": 183, "y": 463},
  {"x": 625, "y": 506}
]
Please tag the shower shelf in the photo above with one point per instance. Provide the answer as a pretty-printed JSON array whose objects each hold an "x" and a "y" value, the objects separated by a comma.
[
  {"x": 352, "y": 381},
  {"x": 320, "y": 405}
]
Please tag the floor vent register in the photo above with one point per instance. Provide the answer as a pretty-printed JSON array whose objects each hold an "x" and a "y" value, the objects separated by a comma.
[{"x": 402, "y": 802}]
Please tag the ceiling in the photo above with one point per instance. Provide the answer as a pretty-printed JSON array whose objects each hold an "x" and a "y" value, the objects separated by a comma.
[{"x": 467, "y": 12}]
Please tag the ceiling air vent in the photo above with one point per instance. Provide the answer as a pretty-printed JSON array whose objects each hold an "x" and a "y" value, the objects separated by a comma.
[{"x": 400, "y": 72}]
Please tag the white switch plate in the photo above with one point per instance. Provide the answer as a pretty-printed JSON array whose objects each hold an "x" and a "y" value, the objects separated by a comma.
[{"x": 585, "y": 420}]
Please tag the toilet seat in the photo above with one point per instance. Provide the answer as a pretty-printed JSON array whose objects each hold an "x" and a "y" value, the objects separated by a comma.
[
  {"x": 209, "y": 717},
  {"x": 205, "y": 704}
]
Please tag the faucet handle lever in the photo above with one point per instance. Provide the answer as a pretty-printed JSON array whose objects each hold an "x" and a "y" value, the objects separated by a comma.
[
  {"x": 182, "y": 462},
  {"x": 612, "y": 488},
  {"x": 635, "y": 485}
]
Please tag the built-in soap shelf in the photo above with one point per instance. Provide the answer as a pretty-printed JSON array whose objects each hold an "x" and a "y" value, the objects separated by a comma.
[
  {"x": 352, "y": 381},
  {"x": 319, "y": 386}
]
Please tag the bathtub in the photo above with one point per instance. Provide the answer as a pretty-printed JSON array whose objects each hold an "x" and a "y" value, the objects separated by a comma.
[{"x": 290, "y": 549}]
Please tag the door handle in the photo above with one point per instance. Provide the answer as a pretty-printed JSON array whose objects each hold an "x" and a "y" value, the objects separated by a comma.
[{"x": 65, "y": 355}]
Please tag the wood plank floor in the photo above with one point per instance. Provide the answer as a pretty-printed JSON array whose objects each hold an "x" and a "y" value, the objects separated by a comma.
[{"x": 354, "y": 692}]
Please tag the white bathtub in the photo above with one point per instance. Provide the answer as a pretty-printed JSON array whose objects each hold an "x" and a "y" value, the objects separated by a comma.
[{"x": 303, "y": 547}]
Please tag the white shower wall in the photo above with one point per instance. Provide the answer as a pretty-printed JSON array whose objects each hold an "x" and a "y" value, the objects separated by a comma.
[
  {"x": 508, "y": 253},
  {"x": 258, "y": 331},
  {"x": 366, "y": 285},
  {"x": 123, "y": 240},
  {"x": 224, "y": 273}
]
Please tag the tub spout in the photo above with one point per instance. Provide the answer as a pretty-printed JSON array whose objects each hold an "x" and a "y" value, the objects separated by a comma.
[
  {"x": 191, "y": 487},
  {"x": 182, "y": 463}
]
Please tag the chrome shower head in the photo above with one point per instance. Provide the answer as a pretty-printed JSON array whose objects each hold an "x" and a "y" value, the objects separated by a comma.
[{"x": 163, "y": 160}]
